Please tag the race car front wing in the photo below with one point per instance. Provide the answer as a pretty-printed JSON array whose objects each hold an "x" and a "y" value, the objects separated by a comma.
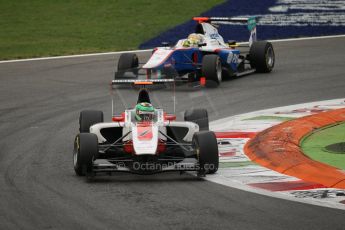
[{"x": 104, "y": 166}]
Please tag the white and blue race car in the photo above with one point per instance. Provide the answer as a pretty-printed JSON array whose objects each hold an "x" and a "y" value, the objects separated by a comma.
[{"x": 205, "y": 57}]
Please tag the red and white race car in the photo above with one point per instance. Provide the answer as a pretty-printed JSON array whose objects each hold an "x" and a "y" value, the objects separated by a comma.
[{"x": 158, "y": 144}]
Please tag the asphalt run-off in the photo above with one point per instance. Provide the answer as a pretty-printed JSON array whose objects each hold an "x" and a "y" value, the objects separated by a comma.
[{"x": 40, "y": 102}]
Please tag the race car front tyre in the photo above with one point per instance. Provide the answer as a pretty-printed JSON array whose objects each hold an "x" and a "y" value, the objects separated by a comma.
[
  {"x": 87, "y": 118},
  {"x": 198, "y": 116},
  {"x": 212, "y": 70},
  {"x": 127, "y": 66},
  {"x": 261, "y": 56},
  {"x": 85, "y": 152},
  {"x": 206, "y": 147},
  {"x": 127, "y": 61},
  {"x": 169, "y": 72}
]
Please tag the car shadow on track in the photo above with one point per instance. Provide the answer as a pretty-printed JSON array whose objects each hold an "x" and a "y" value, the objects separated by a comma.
[{"x": 134, "y": 178}]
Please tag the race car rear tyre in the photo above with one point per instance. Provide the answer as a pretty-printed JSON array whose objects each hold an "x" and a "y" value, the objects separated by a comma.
[
  {"x": 87, "y": 118},
  {"x": 261, "y": 56},
  {"x": 85, "y": 152},
  {"x": 212, "y": 70},
  {"x": 127, "y": 61},
  {"x": 198, "y": 116},
  {"x": 206, "y": 147}
]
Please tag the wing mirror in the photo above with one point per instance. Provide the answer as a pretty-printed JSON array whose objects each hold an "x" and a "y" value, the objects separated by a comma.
[
  {"x": 165, "y": 44},
  {"x": 118, "y": 118},
  {"x": 170, "y": 117},
  {"x": 232, "y": 43}
]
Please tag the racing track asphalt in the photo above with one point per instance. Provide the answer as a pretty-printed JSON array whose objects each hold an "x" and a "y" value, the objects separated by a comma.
[{"x": 39, "y": 106}]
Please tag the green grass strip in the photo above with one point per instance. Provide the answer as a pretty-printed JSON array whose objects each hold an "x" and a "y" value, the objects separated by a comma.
[
  {"x": 314, "y": 145},
  {"x": 47, "y": 28}
]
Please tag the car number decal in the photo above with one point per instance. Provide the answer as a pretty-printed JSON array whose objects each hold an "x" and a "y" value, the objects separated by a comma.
[
  {"x": 144, "y": 133},
  {"x": 232, "y": 58}
]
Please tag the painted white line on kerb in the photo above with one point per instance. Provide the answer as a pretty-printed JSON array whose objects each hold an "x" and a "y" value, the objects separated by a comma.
[{"x": 148, "y": 50}]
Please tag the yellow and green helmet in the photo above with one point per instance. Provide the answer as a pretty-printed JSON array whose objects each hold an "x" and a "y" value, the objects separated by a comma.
[{"x": 144, "y": 111}]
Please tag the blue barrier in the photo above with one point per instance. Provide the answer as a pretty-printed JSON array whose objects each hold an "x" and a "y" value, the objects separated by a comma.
[{"x": 277, "y": 19}]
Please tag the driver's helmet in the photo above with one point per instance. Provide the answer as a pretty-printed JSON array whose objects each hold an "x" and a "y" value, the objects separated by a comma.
[
  {"x": 144, "y": 111},
  {"x": 193, "y": 40}
]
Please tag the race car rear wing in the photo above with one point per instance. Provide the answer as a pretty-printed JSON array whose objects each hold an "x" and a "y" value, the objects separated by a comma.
[
  {"x": 251, "y": 23},
  {"x": 141, "y": 81}
]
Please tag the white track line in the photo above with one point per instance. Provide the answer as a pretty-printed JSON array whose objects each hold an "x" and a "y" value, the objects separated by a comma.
[
  {"x": 308, "y": 38},
  {"x": 74, "y": 56},
  {"x": 148, "y": 50}
]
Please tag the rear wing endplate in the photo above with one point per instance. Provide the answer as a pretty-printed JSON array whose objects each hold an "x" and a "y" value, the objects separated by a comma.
[{"x": 251, "y": 23}]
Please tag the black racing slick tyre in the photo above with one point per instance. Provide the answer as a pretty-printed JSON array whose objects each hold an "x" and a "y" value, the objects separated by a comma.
[
  {"x": 127, "y": 61},
  {"x": 87, "y": 118},
  {"x": 85, "y": 152},
  {"x": 169, "y": 72},
  {"x": 206, "y": 147},
  {"x": 198, "y": 116},
  {"x": 127, "y": 67},
  {"x": 212, "y": 70},
  {"x": 261, "y": 56}
]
